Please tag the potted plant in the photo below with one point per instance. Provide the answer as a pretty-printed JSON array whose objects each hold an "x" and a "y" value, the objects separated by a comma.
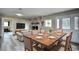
[{"x": 50, "y": 30}]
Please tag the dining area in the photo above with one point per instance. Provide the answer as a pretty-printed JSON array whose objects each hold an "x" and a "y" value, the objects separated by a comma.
[{"x": 42, "y": 40}]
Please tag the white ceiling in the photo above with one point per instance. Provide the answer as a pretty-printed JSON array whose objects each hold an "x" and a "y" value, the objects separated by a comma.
[{"x": 32, "y": 12}]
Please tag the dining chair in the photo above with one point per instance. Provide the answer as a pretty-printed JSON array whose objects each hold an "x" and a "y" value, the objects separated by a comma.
[
  {"x": 19, "y": 36},
  {"x": 42, "y": 31},
  {"x": 35, "y": 32},
  {"x": 59, "y": 30},
  {"x": 67, "y": 43},
  {"x": 64, "y": 45},
  {"x": 27, "y": 44}
]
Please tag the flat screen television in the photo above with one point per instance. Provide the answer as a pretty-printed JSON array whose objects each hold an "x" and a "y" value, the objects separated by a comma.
[{"x": 20, "y": 25}]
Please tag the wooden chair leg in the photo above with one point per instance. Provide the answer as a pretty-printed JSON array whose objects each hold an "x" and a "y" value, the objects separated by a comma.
[
  {"x": 25, "y": 49},
  {"x": 66, "y": 48},
  {"x": 70, "y": 48}
]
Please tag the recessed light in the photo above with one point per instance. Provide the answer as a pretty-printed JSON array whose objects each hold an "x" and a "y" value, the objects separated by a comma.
[{"x": 19, "y": 14}]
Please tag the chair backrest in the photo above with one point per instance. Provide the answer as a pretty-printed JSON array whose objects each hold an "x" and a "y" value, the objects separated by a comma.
[
  {"x": 19, "y": 34},
  {"x": 68, "y": 42},
  {"x": 35, "y": 32},
  {"x": 28, "y": 43},
  {"x": 71, "y": 35},
  {"x": 42, "y": 31},
  {"x": 27, "y": 33},
  {"x": 59, "y": 30}
]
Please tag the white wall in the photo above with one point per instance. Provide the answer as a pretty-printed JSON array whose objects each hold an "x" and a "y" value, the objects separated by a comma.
[{"x": 13, "y": 22}]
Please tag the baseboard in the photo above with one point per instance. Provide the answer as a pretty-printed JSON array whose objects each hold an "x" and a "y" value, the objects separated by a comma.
[{"x": 75, "y": 43}]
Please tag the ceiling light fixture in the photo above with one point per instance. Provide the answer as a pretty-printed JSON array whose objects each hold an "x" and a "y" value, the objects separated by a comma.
[{"x": 19, "y": 14}]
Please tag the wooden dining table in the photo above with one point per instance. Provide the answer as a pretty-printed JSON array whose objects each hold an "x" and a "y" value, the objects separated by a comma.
[{"x": 47, "y": 39}]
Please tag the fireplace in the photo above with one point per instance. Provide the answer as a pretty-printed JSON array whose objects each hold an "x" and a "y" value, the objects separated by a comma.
[{"x": 34, "y": 27}]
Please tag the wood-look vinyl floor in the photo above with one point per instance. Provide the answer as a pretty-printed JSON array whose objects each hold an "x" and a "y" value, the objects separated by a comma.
[{"x": 10, "y": 43}]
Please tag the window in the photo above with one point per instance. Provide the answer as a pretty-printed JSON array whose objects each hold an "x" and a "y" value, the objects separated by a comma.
[
  {"x": 76, "y": 23},
  {"x": 57, "y": 23},
  {"x": 6, "y": 23},
  {"x": 48, "y": 23},
  {"x": 66, "y": 23}
]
